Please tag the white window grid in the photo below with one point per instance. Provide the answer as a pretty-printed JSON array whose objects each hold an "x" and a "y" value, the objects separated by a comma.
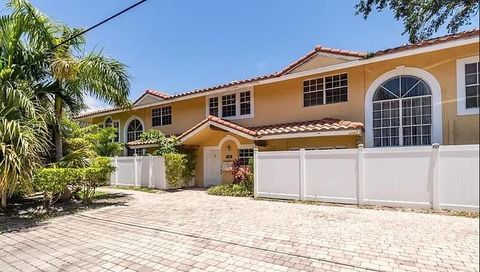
[
  {"x": 213, "y": 106},
  {"x": 162, "y": 116},
  {"x": 325, "y": 90},
  {"x": 403, "y": 121},
  {"x": 472, "y": 82},
  {"x": 229, "y": 107},
  {"x": 245, "y": 105},
  {"x": 138, "y": 152},
  {"x": 244, "y": 155},
  {"x": 134, "y": 130}
]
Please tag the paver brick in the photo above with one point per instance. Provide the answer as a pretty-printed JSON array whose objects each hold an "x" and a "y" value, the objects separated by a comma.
[{"x": 192, "y": 231}]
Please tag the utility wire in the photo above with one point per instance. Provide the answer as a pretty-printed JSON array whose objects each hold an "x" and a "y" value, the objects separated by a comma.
[{"x": 100, "y": 23}]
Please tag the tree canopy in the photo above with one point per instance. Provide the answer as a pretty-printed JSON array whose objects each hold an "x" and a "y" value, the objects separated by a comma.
[{"x": 422, "y": 18}]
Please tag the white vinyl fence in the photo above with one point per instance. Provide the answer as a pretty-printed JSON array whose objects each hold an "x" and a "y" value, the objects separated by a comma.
[
  {"x": 424, "y": 177},
  {"x": 141, "y": 171}
]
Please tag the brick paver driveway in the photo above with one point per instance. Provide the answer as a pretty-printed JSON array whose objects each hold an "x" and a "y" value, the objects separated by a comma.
[{"x": 191, "y": 231}]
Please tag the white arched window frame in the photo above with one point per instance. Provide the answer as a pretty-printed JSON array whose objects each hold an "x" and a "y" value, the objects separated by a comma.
[
  {"x": 127, "y": 124},
  {"x": 436, "y": 98},
  {"x": 109, "y": 122}
]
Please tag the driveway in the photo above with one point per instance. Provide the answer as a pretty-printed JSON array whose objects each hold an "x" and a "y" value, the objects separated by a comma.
[{"x": 192, "y": 231}]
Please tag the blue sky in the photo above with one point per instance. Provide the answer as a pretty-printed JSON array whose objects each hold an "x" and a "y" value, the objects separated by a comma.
[{"x": 176, "y": 46}]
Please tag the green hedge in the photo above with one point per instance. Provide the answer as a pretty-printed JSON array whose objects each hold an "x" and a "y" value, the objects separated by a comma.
[
  {"x": 179, "y": 168},
  {"x": 244, "y": 189},
  {"x": 53, "y": 181}
]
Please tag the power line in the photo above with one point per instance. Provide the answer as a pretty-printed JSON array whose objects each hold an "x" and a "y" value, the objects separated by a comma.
[{"x": 100, "y": 23}]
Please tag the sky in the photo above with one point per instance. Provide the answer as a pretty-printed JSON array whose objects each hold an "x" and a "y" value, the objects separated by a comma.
[{"x": 178, "y": 45}]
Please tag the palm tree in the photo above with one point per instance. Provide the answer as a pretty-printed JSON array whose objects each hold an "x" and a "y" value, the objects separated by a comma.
[
  {"x": 40, "y": 80},
  {"x": 23, "y": 126},
  {"x": 23, "y": 139},
  {"x": 72, "y": 74}
]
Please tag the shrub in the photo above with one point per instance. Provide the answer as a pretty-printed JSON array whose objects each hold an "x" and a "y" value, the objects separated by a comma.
[
  {"x": 52, "y": 182},
  {"x": 239, "y": 190},
  {"x": 84, "y": 181},
  {"x": 241, "y": 173},
  {"x": 90, "y": 178},
  {"x": 176, "y": 170}
]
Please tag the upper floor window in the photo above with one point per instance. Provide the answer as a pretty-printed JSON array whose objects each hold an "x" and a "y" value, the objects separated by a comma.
[
  {"x": 325, "y": 90},
  {"x": 116, "y": 125},
  {"x": 213, "y": 106},
  {"x": 108, "y": 122},
  {"x": 402, "y": 112},
  {"x": 228, "y": 105},
  {"x": 244, "y": 103},
  {"x": 468, "y": 90},
  {"x": 134, "y": 130},
  {"x": 231, "y": 105},
  {"x": 162, "y": 116}
]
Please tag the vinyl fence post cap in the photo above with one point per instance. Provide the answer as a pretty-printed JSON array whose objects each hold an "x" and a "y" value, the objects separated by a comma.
[{"x": 435, "y": 146}]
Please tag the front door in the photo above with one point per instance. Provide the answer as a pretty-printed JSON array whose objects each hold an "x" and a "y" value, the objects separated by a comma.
[{"x": 213, "y": 172}]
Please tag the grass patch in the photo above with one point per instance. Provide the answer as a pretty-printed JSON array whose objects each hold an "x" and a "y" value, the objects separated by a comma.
[
  {"x": 239, "y": 190},
  {"x": 134, "y": 188},
  {"x": 467, "y": 214}
]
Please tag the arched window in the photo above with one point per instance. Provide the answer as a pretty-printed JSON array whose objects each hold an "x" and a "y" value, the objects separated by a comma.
[
  {"x": 402, "y": 112},
  {"x": 134, "y": 130},
  {"x": 108, "y": 122}
]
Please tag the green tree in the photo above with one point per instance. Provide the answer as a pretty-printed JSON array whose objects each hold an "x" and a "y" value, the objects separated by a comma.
[
  {"x": 165, "y": 144},
  {"x": 422, "y": 18},
  {"x": 69, "y": 74},
  {"x": 85, "y": 143},
  {"x": 23, "y": 116}
]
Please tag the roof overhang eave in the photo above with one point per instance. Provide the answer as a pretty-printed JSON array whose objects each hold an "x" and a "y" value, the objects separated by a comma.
[{"x": 325, "y": 133}]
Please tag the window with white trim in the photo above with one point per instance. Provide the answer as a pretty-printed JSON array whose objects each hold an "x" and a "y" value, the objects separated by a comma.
[
  {"x": 229, "y": 105},
  {"x": 245, "y": 103},
  {"x": 138, "y": 152},
  {"x": 325, "y": 90},
  {"x": 244, "y": 155},
  {"x": 213, "y": 106},
  {"x": 108, "y": 122},
  {"x": 162, "y": 116},
  {"x": 402, "y": 112},
  {"x": 116, "y": 125},
  {"x": 134, "y": 130},
  {"x": 232, "y": 105},
  {"x": 472, "y": 97},
  {"x": 468, "y": 86}
]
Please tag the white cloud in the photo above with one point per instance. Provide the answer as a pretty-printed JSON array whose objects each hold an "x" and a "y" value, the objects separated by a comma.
[{"x": 93, "y": 104}]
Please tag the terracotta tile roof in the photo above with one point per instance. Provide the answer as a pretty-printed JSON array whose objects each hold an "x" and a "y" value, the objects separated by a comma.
[
  {"x": 428, "y": 42},
  {"x": 220, "y": 121},
  {"x": 140, "y": 142},
  {"x": 147, "y": 142},
  {"x": 231, "y": 125},
  {"x": 85, "y": 114},
  {"x": 158, "y": 94},
  {"x": 293, "y": 65},
  {"x": 326, "y": 124}
]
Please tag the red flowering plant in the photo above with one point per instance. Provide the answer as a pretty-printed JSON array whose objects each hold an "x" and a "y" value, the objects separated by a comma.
[{"x": 241, "y": 172}]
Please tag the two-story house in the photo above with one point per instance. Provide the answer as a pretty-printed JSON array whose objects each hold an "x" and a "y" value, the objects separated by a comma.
[{"x": 415, "y": 94}]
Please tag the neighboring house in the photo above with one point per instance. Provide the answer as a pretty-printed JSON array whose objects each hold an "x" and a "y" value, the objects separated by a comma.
[{"x": 409, "y": 95}]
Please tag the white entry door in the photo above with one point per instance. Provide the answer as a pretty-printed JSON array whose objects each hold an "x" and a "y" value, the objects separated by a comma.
[{"x": 212, "y": 167}]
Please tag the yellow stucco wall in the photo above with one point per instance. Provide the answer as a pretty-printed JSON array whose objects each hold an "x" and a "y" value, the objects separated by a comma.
[{"x": 281, "y": 102}]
